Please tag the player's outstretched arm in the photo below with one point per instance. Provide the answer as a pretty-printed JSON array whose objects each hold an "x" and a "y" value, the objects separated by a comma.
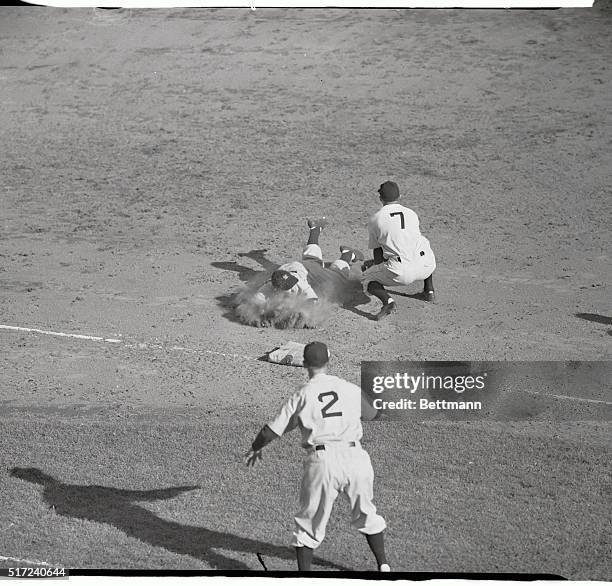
[{"x": 264, "y": 437}]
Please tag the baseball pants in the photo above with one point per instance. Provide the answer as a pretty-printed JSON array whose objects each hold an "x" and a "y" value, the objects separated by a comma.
[
  {"x": 327, "y": 473},
  {"x": 350, "y": 272},
  {"x": 402, "y": 271}
]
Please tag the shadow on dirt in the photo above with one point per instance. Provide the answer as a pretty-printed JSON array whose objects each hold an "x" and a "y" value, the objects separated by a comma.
[
  {"x": 246, "y": 274},
  {"x": 352, "y": 307},
  {"x": 228, "y": 303},
  {"x": 420, "y": 295},
  {"x": 259, "y": 256},
  {"x": 363, "y": 299},
  {"x": 598, "y": 319},
  {"x": 595, "y": 317},
  {"x": 119, "y": 508},
  {"x": 251, "y": 277}
]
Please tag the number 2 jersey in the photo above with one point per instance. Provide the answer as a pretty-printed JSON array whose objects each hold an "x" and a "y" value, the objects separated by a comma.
[
  {"x": 327, "y": 409},
  {"x": 396, "y": 230}
]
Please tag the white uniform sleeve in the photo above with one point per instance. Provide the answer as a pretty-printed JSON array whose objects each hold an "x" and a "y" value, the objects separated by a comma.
[
  {"x": 286, "y": 419},
  {"x": 367, "y": 409},
  {"x": 302, "y": 287},
  {"x": 306, "y": 290}
]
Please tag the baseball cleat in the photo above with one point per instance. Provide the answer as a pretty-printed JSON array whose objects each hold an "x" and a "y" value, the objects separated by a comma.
[
  {"x": 384, "y": 568},
  {"x": 357, "y": 254},
  {"x": 387, "y": 309},
  {"x": 429, "y": 296},
  {"x": 318, "y": 222}
]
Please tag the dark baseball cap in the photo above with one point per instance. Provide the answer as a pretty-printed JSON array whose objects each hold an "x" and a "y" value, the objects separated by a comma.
[
  {"x": 389, "y": 191},
  {"x": 316, "y": 354},
  {"x": 283, "y": 280}
]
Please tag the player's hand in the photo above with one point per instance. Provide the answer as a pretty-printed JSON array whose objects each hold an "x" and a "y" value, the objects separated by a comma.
[
  {"x": 367, "y": 264},
  {"x": 251, "y": 457}
]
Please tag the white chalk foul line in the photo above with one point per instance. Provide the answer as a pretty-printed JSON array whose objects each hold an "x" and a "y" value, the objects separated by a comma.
[
  {"x": 137, "y": 345},
  {"x": 61, "y": 334},
  {"x": 21, "y": 561},
  {"x": 145, "y": 346}
]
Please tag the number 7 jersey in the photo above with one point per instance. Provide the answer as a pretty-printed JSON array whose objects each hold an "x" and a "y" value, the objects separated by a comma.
[
  {"x": 327, "y": 409},
  {"x": 396, "y": 230}
]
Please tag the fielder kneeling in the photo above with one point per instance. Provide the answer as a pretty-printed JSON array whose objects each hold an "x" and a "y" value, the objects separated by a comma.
[
  {"x": 402, "y": 254},
  {"x": 328, "y": 410}
]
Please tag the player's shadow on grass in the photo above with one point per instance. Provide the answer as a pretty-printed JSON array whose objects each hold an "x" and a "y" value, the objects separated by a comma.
[{"x": 121, "y": 509}]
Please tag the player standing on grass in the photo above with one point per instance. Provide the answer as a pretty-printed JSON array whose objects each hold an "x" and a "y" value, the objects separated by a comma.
[
  {"x": 402, "y": 254},
  {"x": 328, "y": 411}
]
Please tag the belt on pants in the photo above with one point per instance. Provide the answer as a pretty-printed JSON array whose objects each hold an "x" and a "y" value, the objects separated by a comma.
[
  {"x": 399, "y": 258},
  {"x": 322, "y": 446}
]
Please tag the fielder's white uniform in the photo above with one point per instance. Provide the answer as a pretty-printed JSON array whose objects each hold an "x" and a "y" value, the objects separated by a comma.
[
  {"x": 408, "y": 255},
  {"x": 328, "y": 411},
  {"x": 311, "y": 252}
]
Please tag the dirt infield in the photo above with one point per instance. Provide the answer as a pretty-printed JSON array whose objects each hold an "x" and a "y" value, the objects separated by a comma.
[{"x": 156, "y": 160}]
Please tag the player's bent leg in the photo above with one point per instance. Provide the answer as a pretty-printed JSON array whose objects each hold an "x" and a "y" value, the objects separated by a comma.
[
  {"x": 375, "y": 288},
  {"x": 341, "y": 267},
  {"x": 427, "y": 265},
  {"x": 376, "y": 541},
  {"x": 429, "y": 293},
  {"x": 354, "y": 273},
  {"x": 347, "y": 265},
  {"x": 360, "y": 492},
  {"x": 417, "y": 270},
  {"x": 351, "y": 272},
  {"x": 312, "y": 252},
  {"x": 304, "y": 558},
  {"x": 350, "y": 254},
  {"x": 387, "y": 274},
  {"x": 317, "y": 496},
  {"x": 315, "y": 227},
  {"x": 379, "y": 273}
]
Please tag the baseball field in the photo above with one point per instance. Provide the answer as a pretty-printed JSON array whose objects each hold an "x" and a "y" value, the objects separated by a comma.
[{"x": 155, "y": 160}]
